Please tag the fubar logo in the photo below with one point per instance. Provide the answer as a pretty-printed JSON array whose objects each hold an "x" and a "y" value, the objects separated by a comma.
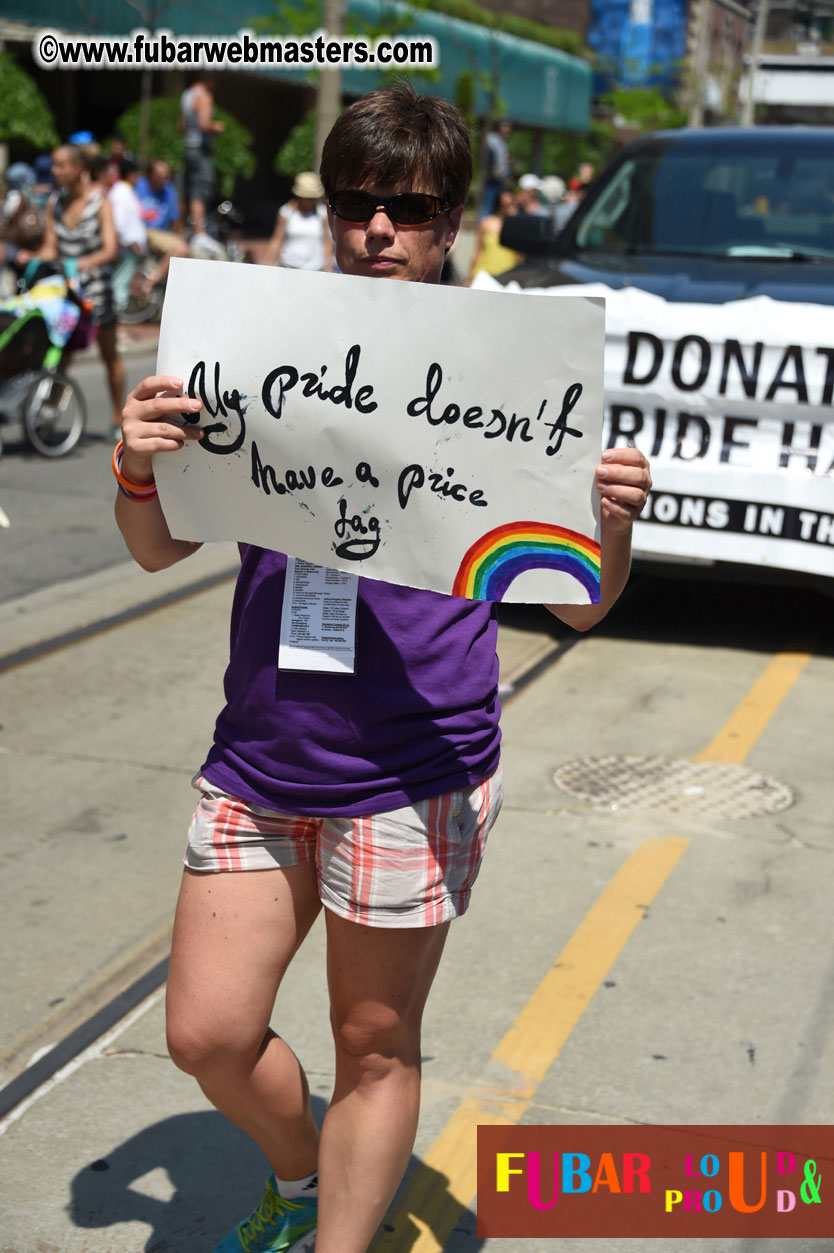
[{"x": 697, "y": 1182}]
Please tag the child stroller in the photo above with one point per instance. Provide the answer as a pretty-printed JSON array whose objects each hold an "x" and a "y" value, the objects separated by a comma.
[{"x": 36, "y": 327}]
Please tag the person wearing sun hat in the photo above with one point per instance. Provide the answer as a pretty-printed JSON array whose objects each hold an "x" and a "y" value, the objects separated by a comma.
[
  {"x": 527, "y": 197},
  {"x": 301, "y": 239}
]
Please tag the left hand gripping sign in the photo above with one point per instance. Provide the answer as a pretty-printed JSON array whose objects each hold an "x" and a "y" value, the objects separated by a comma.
[{"x": 430, "y": 436}]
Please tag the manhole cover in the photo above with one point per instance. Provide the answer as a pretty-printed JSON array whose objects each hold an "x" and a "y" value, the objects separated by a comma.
[{"x": 688, "y": 788}]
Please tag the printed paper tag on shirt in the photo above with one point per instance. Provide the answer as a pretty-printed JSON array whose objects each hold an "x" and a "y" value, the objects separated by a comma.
[{"x": 318, "y": 619}]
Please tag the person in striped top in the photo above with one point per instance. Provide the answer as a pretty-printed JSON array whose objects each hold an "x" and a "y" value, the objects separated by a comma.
[{"x": 80, "y": 233}]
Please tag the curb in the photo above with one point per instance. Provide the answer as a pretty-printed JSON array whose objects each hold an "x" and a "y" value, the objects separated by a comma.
[{"x": 62, "y": 612}]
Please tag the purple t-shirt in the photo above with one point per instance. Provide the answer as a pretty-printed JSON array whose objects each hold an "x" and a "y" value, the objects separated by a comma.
[{"x": 418, "y": 718}]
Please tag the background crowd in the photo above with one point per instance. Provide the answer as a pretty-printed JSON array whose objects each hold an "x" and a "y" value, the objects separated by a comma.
[{"x": 114, "y": 226}]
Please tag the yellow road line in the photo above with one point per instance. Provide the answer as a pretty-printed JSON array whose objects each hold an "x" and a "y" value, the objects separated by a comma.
[
  {"x": 738, "y": 735},
  {"x": 444, "y": 1184},
  {"x": 538, "y": 1033}
]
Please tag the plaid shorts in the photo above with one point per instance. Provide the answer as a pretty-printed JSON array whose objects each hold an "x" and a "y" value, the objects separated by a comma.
[{"x": 410, "y": 867}]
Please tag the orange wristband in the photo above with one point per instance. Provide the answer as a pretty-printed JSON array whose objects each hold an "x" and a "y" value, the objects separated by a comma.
[{"x": 133, "y": 491}]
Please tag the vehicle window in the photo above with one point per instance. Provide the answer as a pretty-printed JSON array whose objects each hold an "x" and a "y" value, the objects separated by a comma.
[
  {"x": 607, "y": 227},
  {"x": 715, "y": 203}
]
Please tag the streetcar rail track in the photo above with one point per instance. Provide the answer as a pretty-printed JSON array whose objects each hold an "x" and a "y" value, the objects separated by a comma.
[{"x": 109, "y": 622}]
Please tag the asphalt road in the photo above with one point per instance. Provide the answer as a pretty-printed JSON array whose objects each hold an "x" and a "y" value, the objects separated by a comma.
[
  {"x": 61, "y": 511},
  {"x": 649, "y": 941}
]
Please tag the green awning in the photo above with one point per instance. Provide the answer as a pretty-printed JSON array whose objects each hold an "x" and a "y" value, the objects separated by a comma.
[{"x": 536, "y": 85}]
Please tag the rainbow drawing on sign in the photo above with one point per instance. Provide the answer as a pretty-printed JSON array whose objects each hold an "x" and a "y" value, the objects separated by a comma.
[{"x": 501, "y": 555}]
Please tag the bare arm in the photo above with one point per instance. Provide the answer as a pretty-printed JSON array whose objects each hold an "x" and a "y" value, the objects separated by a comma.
[
  {"x": 479, "y": 243},
  {"x": 48, "y": 250},
  {"x": 623, "y": 481},
  {"x": 203, "y": 106},
  {"x": 109, "y": 249},
  {"x": 272, "y": 252},
  {"x": 147, "y": 430}
]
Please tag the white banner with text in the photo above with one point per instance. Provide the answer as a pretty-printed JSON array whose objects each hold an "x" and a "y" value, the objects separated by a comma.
[{"x": 732, "y": 404}]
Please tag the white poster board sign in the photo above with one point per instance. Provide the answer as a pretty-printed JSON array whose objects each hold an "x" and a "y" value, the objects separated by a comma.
[
  {"x": 423, "y": 435},
  {"x": 732, "y": 404}
]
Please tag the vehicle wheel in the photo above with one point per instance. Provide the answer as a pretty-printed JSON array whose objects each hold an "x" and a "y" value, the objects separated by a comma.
[
  {"x": 142, "y": 307},
  {"x": 54, "y": 414}
]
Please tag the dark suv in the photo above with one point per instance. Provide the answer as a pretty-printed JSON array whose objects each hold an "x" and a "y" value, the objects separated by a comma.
[
  {"x": 714, "y": 251},
  {"x": 698, "y": 215}
]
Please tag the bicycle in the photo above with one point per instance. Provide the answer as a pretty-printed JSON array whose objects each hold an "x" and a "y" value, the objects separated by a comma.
[
  {"x": 221, "y": 242},
  {"x": 35, "y": 328}
]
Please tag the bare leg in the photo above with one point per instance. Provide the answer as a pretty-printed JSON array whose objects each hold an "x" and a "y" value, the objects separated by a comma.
[
  {"x": 234, "y": 936},
  {"x": 160, "y": 273},
  {"x": 197, "y": 213},
  {"x": 379, "y": 981},
  {"x": 115, "y": 368}
]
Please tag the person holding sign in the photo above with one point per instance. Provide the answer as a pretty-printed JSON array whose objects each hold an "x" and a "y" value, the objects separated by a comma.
[{"x": 365, "y": 781}]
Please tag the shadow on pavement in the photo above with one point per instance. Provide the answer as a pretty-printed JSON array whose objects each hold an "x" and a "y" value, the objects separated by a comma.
[
  {"x": 214, "y": 1175},
  {"x": 734, "y": 611},
  {"x": 192, "y": 1177},
  {"x": 453, "y": 1226}
]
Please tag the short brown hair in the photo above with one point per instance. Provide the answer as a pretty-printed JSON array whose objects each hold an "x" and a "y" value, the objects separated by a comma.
[{"x": 393, "y": 136}]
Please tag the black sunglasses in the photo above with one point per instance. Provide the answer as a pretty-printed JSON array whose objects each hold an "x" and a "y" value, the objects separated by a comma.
[{"x": 407, "y": 208}]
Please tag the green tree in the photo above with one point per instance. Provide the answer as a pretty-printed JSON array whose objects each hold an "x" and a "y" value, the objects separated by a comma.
[
  {"x": 635, "y": 108},
  {"x": 233, "y": 153},
  {"x": 25, "y": 116},
  {"x": 564, "y": 151},
  {"x": 643, "y": 108},
  {"x": 524, "y": 28},
  {"x": 299, "y": 17},
  {"x": 297, "y": 152}
]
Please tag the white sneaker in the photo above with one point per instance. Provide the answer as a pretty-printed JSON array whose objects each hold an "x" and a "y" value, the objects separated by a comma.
[{"x": 202, "y": 245}]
